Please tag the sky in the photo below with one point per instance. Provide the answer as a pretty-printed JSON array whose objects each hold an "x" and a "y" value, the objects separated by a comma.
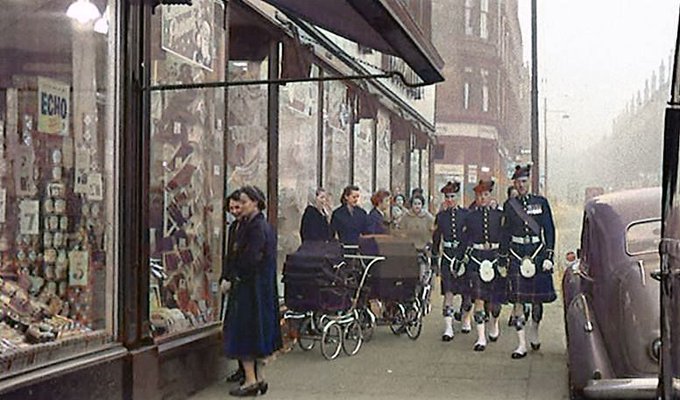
[{"x": 594, "y": 55}]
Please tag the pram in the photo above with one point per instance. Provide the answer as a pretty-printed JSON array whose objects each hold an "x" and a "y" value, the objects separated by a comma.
[
  {"x": 324, "y": 291},
  {"x": 400, "y": 286}
]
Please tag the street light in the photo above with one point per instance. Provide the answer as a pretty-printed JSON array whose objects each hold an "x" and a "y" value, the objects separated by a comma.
[{"x": 563, "y": 115}]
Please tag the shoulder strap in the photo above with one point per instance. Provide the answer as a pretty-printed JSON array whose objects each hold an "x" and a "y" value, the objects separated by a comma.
[{"x": 519, "y": 210}]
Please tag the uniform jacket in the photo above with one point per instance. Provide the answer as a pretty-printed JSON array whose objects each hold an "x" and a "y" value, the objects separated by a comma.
[
  {"x": 349, "y": 226},
  {"x": 314, "y": 225},
  {"x": 538, "y": 208},
  {"x": 483, "y": 225},
  {"x": 448, "y": 227}
]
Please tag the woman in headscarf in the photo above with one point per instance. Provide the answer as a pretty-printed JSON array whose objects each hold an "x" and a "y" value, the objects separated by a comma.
[
  {"x": 314, "y": 225},
  {"x": 378, "y": 218},
  {"x": 252, "y": 332}
]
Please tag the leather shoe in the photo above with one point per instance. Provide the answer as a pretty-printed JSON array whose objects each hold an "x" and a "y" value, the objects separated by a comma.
[
  {"x": 237, "y": 376},
  {"x": 517, "y": 355},
  {"x": 247, "y": 391},
  {"x": 479, "y": 347},
  {"x": 536, "y": 346},
  {"x": 493, "y": 338},
  {"x": 447, "y": 338}
]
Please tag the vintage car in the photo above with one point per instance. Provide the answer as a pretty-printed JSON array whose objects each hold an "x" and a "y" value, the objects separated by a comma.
[{"x": 611, "y": 298}]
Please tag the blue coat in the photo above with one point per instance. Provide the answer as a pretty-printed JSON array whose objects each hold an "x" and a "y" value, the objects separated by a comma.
[
  {"x": 314, "y": 225},
  {"x": 349, "y": 226},
  {"x": 377, "y": 223},
  {"x": 252, "y": 329}
]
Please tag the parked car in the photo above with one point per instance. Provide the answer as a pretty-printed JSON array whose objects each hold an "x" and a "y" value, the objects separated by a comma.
[{"x": 611, "y": 300}]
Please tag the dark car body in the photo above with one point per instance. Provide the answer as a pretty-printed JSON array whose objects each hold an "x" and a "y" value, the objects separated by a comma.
[{"x": 611, "y": 302}]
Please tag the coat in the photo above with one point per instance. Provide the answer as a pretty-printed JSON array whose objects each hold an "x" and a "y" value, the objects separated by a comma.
[
  {"x": 349, "y": 226},
  {"x": 252, "y": 329},
  {"x": 229, "y": 257},
  {"x": 377, "y": 223},
  {"x": 314, "y": 225}
]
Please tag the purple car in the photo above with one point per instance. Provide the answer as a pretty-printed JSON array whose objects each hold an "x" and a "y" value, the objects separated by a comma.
[{"x": 611, "y": 300}]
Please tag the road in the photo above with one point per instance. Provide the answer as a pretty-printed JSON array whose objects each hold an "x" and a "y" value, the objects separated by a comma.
[{"x": 395, "y": 367}]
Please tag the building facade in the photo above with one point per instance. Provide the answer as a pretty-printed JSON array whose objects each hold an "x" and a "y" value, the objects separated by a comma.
[
  {"x": 125, "y": 123},
  {"x": 483, "y": 107}
]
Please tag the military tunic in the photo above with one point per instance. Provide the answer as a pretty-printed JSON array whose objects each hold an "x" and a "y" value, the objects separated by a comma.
[
  {"x": 482, "y": 235},
  {"x": 448, "y": 234},
  {"x": 521, "y": 243}
]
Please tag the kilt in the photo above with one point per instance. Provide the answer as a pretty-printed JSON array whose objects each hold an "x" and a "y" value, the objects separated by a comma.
[
  {"x": 449, "y": 281},
  {"x": 537, "y": 289},
  {"x": 493, "y": 292}
]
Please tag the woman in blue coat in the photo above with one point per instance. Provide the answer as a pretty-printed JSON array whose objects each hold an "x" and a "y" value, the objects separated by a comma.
[
  {"x": 315, "y": 224},
  {"x": 252, "y": 331},
  {"x": 378, "y": 219}
]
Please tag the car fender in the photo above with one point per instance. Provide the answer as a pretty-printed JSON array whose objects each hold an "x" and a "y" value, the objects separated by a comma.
[{"x": 587, "y": 355}]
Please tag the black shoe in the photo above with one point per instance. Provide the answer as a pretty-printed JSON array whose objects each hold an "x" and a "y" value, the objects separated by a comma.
[
  {"x": 447, "y": 338},
  {"x": 493, "y": 338},
  {"x": 535, "y": 346},
  {"x": 479, "y": 347},
  {"x": 237, "y": 376},
  {"x": 517, "y": 355},
  {"x": 263, "y": 387},
  {"x": 465, "y": 330},
  {"x": 248, "y": 391}
]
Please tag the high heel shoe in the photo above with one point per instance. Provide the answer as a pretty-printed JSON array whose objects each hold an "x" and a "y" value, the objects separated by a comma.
[
  {"x": 247, "y": 391},
  {"x": 263, "y": 387}
]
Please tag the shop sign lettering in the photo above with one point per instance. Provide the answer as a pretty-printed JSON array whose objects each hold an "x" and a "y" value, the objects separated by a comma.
[{"x": 54, "y": 107}]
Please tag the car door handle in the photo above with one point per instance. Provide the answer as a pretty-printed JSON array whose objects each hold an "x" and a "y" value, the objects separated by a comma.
[
  {"x": 641, "y": 267},
  {"x": 588, "y": 327}
]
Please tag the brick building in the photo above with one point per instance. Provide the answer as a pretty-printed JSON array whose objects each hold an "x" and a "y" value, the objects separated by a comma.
[{"x": 483, "y": 107}]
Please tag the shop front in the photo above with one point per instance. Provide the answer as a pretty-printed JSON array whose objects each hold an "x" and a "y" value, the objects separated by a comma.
[{"x": 123, "y": 126}]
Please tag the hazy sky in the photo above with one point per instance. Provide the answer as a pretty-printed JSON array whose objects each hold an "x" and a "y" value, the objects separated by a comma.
[{"x": 594, "y": 55}]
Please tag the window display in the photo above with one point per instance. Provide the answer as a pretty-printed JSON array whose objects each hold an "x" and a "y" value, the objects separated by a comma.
[
  {"x": 298, "y": 152},
  {"x": 186, "y": 185},
  {"x": 384, "y": 136},
  {"x": 56, "y": 183},
  {"x": 336, "y": 129},
  {"x": 363, "y": 159}
]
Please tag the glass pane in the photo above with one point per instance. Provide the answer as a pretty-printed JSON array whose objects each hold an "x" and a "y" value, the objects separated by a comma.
[
  {"x": 186, "y": 177},
  {"x": 247, "y": 121},
  {"x": 298, "y": 150},
  {"x": 336, "y": 132},
  {"x": 415, "y": 169},
  {"x": 425, "y": 175},
  {"x": 363, "y": 159},
  {"x": 57, "y": 195},
  {"x": 643, "y": 237},
  {"x": 399, "y": 167},
  {"x": 384, "y": 136}
]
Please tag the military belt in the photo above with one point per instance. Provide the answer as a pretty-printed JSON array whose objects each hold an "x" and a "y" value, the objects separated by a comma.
[{"x": 526, "y": 239}]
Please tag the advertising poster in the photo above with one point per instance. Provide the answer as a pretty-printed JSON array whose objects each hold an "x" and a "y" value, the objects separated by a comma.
[
  {"x": 187, "y": 32},
  {"x": 53, "y": 107}
]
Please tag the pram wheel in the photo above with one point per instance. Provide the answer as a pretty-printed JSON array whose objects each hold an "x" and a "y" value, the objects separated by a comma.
[
  {"x": 367, "y": 321},
  {"x": 398, "y": 321},
  {"x": 351, "y": 342},
  {"x": 306, "y": 340},
  {"x": 414, "y": 322},
  {"x": 331, "y": 340}
]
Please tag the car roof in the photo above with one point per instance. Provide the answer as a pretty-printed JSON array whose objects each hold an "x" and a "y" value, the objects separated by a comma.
[{"x": 613, "y": 212}]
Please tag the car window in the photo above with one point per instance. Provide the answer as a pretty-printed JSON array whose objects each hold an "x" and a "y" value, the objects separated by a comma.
[{"x": 642, "y": 237}]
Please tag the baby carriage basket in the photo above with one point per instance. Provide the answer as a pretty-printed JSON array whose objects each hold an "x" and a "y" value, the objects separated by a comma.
[
  {"x": 399, "y": 286},
  {"x": 322, "y": 290}
]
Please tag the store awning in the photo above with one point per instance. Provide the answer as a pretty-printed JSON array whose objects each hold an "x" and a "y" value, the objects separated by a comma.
[{"x": 383, "y": 25}]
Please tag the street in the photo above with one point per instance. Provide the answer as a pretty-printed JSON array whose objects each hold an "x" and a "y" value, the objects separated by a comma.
[{"x": 395, "y": 367}]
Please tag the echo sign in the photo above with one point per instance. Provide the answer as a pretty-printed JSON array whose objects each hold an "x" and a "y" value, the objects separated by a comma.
[{"x": 54, "y": 106}]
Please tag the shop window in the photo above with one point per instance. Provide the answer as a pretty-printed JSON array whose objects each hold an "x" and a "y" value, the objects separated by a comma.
[
  {"x": 336, "y": 131},
  {"x": 425, "y": 171},
  {"x": 298, "y": 162},
  {"x": 384, "y": 136},
  {"x": 399, "y": 158},
  {"x": 186, "y": 177},
  {"x": 415, "y": 169},
  {"x": 363, "y": 159},
  {"x": 58, "y": 154}
]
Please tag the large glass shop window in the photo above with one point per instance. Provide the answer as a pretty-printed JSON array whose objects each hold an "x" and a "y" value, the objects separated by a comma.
[
  {"x": 186, "y": 189},
  {"x": 383, "y": 136},
  {"x": 298, "y": 162},
  {"x": 399, "y": 160},
  {"x": 363, "y": 159},
  {"x": 57, "y": 195},
  {"x": 415, "y": 169},
  {"x": 336, "y": 131}
]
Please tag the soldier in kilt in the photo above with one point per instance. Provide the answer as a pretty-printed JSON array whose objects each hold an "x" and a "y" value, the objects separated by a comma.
[
  {"x": 482, "y": 234},
  {"x": 447, "y": 236},
  {"x": 528, "y": 249}
]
